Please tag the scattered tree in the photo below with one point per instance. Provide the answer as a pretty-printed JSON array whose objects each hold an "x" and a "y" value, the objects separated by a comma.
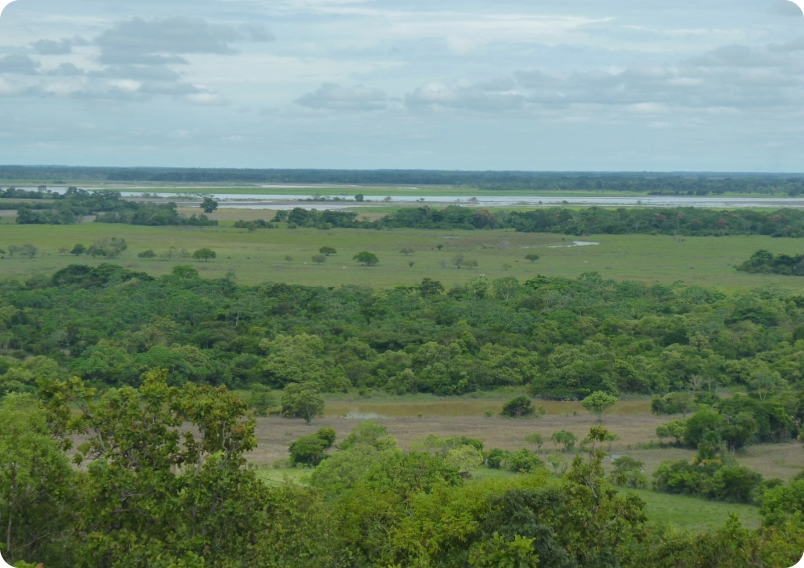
[
  {"x": 78, "y": 249},
  {"x": 457, "y": 260},
  {"x": 209, "y": 205},
  {"x": 309, "y": 450},
  {"x": 532, "y": 257},
  {"x": 302, "y": 400},
  {"x": 598, "y": 401},
  {"x": 147, "y": 254},
  {"x": 366, "y": 258},
  {"x": 288, "y": 258},
  {"x": 327, "y": 251},
  {"x": 536, "y": 439},
  {"x": 471, "y": 263},
  {"x": 519, "y": 407},
  {"x": 319, "y": 259},
  {"x": 566, "y": 439},
  {"x": 204, "y": 254},
  {"x": 407, "y": 251}
]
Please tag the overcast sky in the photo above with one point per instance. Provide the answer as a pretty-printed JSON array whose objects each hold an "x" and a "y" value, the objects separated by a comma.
[{"x": 712, "y": 85}]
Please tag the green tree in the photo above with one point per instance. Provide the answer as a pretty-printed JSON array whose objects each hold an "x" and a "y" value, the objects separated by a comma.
[
  {"x": 566, "y": 439},
  {"x": 302, "y": 400},
  {"x": 597, "y": 402},
  {"x": 505, "y": 288},
  {"x": 204, "y": 254},
  {"x": 37, "y": 485},
  {"x": 532, "y": 257},
  {"x": 184, "y": 272},
  {"x": 498, "y": 552},
  {"x": 288, "y": 258},
  {"x": 430, "y": 287},
  {"x": 147, "y": 254},
  {"x": 319, "y": 259},
  {"x": 366, "y": 258},
  {"x": 536, "y": 439},
  {"x": 628, "y": 472},
  {"x": 209, "y": 205},
  {"x": 310, "y": 450},
  {"x": 327, "y": 251},
  {"x": 260, "y": 399},
  {"x": 518, "y": 407},
  {"x": 359, "y": 197},
  {"x": 407, "y": 250},
  {"x": 78, "y": 249}
]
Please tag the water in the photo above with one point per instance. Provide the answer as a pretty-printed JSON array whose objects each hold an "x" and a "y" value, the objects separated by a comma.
[
  {"x": 574, "y": 244},
  {"x": 276, "y": 201}
]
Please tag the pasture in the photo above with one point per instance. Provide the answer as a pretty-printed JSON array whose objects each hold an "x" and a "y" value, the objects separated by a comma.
[{"x": 262, "y": 255}]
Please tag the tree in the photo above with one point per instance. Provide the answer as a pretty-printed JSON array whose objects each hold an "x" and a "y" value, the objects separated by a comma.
[
  {"x": 204, "y": 254},
  {"x": 628, "y": 472},
  {"x": 260, "y": 399},
  {"x": 407, "y": 250},
  {"x": 309, "y": 450},
  {"x": 209, "y": 205},
  {"x": 319, "y": 259},
  {"x": 536, "y": 439},
  {"x": 184, "y": 272},
  {"x": 288, "y": 258},
  {"x": 457, "y": 260},
  {"x": 564, "y": 438},
  {"x": 597, "y": 402},
  {"x": 430, "y": 287},
  {"x": 36, "y": 481},
  {"x": 532, "y": 257},
  {"x": 519, "y": 407},
  {"x": 505, "y": 288},
  {"x": 366, "y": 258},
  {"x": 471, "y": 263},
  {"x": 302, "y": 400},
  {"x": 78, "y": 249},
  {"x": 464, "y": 458},
  {"x": 327, "y": 251},
  {"x": 359, "y": 197},
  {"x": 506, "y": 267},
  {"x": 147, "y": 254}
]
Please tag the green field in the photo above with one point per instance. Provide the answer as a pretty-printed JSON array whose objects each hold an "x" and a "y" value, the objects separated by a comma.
[{"x": 260, "y": 256}]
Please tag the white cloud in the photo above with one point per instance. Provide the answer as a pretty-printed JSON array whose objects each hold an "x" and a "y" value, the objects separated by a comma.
[{"x": 334, "y": 97}]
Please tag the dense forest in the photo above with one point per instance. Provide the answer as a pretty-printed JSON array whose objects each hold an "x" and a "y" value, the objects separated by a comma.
[
  {"x": 657, "y": 183},
  {"x": 686, "y": 221},
  {"x": 127, "y": 362},
  {"x": 75, "y": 203},
  {"x": 562, "y": 338}
]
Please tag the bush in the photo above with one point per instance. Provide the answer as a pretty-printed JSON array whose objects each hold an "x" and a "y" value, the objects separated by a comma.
[
  {"x": 628, "y": 473},
  {"x": 519, "y": 407},
  {"x": 204, "y": 254},
  {"x": 309, "y": 450},
  {"x": 524, "y": 461},
  {"x": 495, "y": 458},
  {"x": 566, "y": 439},
  {"x": 710, "y": 479}
]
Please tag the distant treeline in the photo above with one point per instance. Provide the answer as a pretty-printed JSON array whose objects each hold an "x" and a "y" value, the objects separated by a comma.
[
  {"x": 680, "y": 183},
  {"x": 107, "y": 205},
  {"x": 763, "y": 261},
  {"x": 590, "y": 220}
]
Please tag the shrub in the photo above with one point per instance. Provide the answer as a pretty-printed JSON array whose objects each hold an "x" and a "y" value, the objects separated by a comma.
[
  {"x": 147, "y": 254},
  {"x": 518, "y": 407},
  {"x": 204, "y": 254},
  {"x": 495, "y": 457},
  {"x": 524, "y": 461},
  {"x": 566, "y": 439}
]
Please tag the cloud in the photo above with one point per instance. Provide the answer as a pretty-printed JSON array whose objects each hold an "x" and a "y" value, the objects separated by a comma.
[
  {"x": 330, "y": 96},
  {"x": 53, "y": 47},
  {"x": 19, "y": 64},
  {"x": 206, "y": 99},
  {"x": 494, "y": 96},
  {"x": 164, "y": 41}
]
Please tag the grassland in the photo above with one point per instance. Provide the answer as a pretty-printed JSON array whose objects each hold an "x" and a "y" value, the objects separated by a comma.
[{"x": 260, "y": 256}]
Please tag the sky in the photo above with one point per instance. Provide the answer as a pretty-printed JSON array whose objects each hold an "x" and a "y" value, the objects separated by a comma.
[{"x": 546, "y": 85}]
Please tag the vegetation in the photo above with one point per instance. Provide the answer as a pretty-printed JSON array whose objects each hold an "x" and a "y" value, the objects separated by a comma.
[
  {"x": 766, "y": 262},
  {"x": 651, "y": 183},
  {"x": 598, "y": 401}
]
